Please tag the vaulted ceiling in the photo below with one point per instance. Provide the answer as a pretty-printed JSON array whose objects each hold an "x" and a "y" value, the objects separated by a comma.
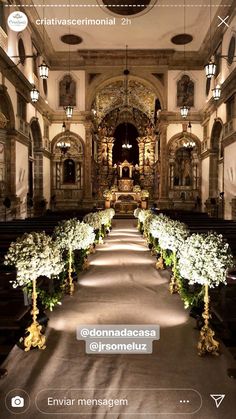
[{"x": 150, "y": 27}]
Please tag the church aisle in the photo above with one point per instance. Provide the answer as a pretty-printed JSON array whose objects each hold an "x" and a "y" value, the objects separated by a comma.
[{"x": 121, "y": 286}]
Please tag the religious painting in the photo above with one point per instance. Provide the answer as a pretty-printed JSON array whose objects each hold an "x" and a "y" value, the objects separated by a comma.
[
  {"x": 185, "y": 91},
  {"x": 67, "y": 91}
]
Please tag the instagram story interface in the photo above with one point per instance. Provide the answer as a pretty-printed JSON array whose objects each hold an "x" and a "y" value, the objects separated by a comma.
[{"x": 117, "y": 209}]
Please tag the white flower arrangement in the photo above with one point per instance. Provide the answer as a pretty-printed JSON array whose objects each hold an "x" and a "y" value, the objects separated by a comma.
[
  {"x": 204, "y": 259},
  {"x": 73, "y": 234},
  {"x": 143, "y": 214},
  {"x": 144, "y": 194},
  {"x": 107, "y": 194},
  {"x": 106, "y": 216},
  {"x": 34, "y": 255},
  {"x": 136, "y": 212},
  {"x": 156, "y": 224},
  {"x": 111, "y": 212},
  {"x": 137, "y": 189},
  {"x": 114, "y": 188},
  {"x": 172, "y": 235},
  {"x": 147, "y": 222},
  {"x": 93, "y": 219}
]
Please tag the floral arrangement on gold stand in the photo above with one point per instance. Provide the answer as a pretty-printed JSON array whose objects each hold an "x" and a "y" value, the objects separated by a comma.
[
  {"x": 204, "y": 259},
  {"x": 73, "y": 235},
  {"x": 34, "y": 255}
]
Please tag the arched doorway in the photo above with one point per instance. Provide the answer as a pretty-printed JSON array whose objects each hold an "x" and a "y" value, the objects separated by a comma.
[
  {"x": 123, "y": 132},
  {"x": 7, "y": 147},
  {"x": 184, "y": 171},
  {"x": 67, "y": 167}
]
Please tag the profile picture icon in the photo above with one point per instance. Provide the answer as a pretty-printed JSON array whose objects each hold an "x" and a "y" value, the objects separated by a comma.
[
  {"x": 17, "y": 21},
  {"x": 17, "y": 401}
]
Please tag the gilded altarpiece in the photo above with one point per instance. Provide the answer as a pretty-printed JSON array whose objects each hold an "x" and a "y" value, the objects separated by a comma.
[
  {"x": 184, "y": 173},
  {"x": 67, "y": 174}
]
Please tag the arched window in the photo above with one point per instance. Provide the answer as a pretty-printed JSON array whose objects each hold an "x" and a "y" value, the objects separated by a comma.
[{"x": 69, "y": 171}]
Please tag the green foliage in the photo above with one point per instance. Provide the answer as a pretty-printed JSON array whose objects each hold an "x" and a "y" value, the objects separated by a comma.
[
  {"x": 192, "y": 296},
  {"x": 168, "y": 257}
]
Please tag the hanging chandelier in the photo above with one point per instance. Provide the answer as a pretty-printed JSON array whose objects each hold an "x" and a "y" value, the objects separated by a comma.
[
  {"x": 64, "y": 145},
  {"x": 184, "y": 110},
  {"x": 126, "y": 145},
  {"x": 210, "y": 67},
  {"x": 188, "y": 143},
  {"x": 43, "y": 67},
  {"x": 69, "y": 111}
]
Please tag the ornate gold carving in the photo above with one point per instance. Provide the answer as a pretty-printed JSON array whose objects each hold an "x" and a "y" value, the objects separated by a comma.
[
  {"x": 35, "y": 337},
  {"x": 3, "y": 121},
  {"x": 207, "y": 343},
  {"x": 70, "y": 285}
]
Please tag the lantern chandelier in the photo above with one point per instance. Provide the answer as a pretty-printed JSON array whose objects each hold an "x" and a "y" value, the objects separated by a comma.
[
  {"x": 126, "y": 145},
  {"x": 189, "y": 144},
  {"x": 184, "y": 109},
  {"x": 64, "y": 145}
]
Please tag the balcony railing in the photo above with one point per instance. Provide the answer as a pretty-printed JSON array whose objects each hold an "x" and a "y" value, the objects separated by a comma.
[
  {"x": 229, "y": 127},
  {"x": 22, "y": 126}
]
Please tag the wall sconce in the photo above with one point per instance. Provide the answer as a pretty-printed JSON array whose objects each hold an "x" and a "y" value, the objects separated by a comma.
[
  {"x": 43, "y": 70},
  {"x": 216, "y": 92},
  {"x": 34, "y": 94},
  {"x": 210, "y": 69}
]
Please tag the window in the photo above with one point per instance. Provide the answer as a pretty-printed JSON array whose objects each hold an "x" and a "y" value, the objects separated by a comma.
[
  {"x": 21, "y": 51},
  {"x": 69, "y": 171},
  {"x": 35, "y": 60},
  {"x": 21, "y": 107},
  {"x": 230, "y": 108},
  {"x": 2, "y": 17},
  {"x": 217, "y": 58}
]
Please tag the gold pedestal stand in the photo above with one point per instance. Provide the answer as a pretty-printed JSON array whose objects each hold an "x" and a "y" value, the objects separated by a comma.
[
  {"x": 70, "y": 285},
  {"x": 160, "y": 262},
  {"x": 35, "y": 337},
  {"x": 85, "y": 264},
  {"x": 207, "y": 344},
  {"x": 174, "y": 287}
]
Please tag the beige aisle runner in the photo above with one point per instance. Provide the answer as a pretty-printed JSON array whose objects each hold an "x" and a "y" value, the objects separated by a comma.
[{"x": 121, "y": 286}]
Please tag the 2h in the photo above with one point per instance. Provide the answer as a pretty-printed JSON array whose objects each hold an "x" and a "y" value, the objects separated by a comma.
[{"x": 125, "y": 21}]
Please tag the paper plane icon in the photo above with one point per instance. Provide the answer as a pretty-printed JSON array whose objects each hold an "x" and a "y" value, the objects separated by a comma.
[{"x": 218, "y": 399}]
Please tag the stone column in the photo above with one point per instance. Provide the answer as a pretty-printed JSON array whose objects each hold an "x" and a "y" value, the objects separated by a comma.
[
  {"x": 87, "y": 161},
  {"x": 11, "y": 173},
  {"x": 141, "y": 145},
  {"x": 163, "y": 192},
  {"x": 110, "y": 145},
  {"x": 11, "y": 164}
]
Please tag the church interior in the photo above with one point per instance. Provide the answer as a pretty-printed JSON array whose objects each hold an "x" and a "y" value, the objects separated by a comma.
[{"x": 118, "y": 207}]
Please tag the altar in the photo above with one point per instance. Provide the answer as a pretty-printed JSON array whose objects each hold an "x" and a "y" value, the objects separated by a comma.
[{"x": 125, "y": 193}]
